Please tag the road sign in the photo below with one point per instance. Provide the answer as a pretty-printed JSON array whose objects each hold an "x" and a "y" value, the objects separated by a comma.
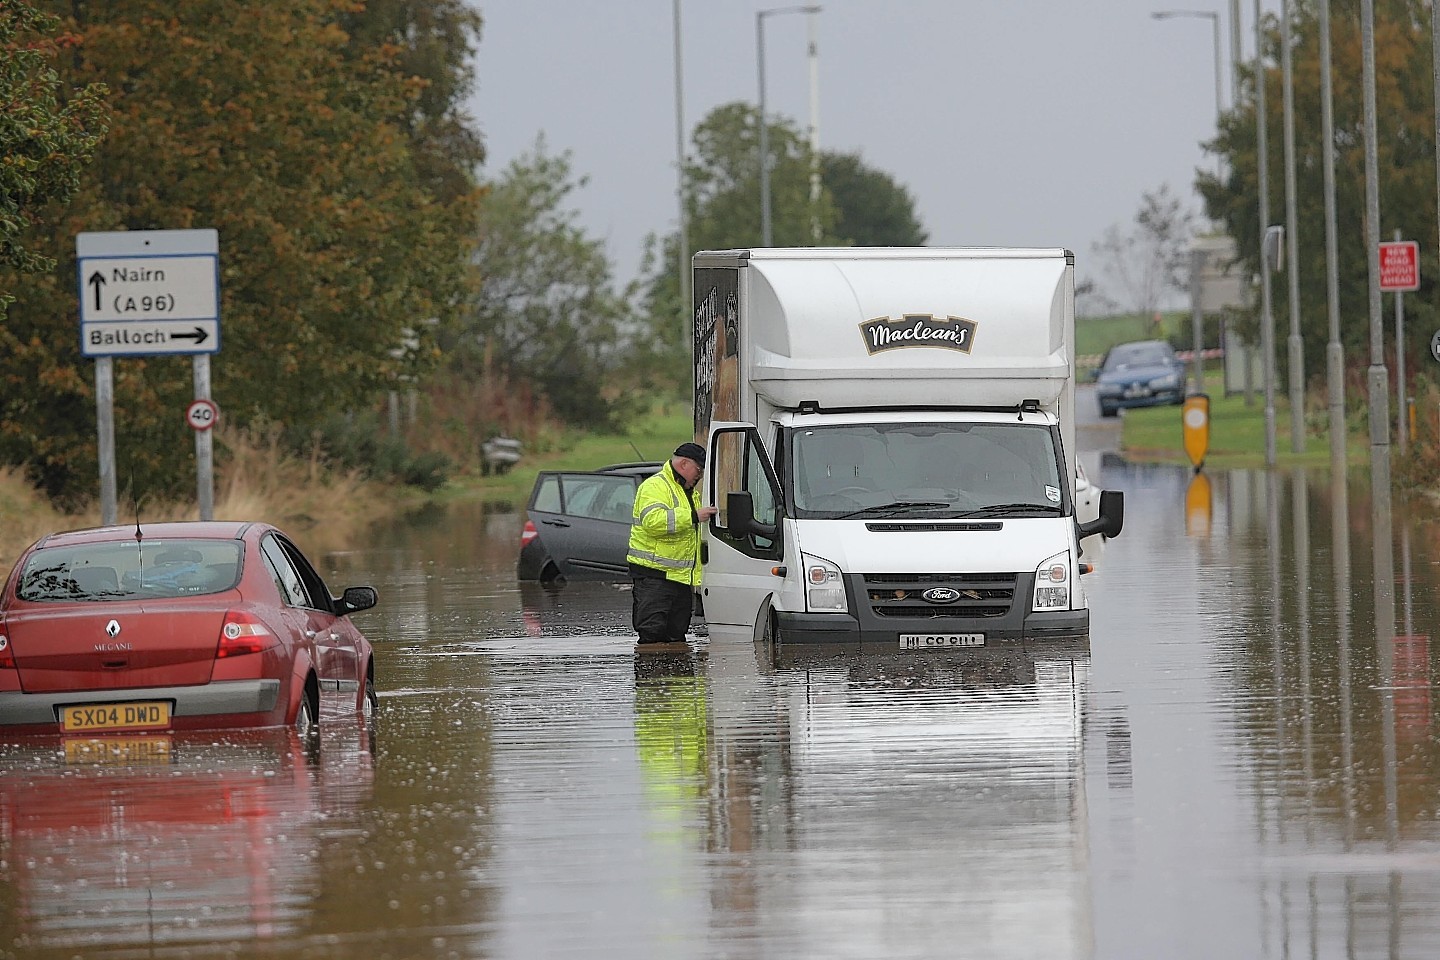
[
  {"x": 149, "y": 292},
  {"x": 1399, "y": 266},
  {"x": 201, "y": 414},
  {"x": 1435, "y": 346}
]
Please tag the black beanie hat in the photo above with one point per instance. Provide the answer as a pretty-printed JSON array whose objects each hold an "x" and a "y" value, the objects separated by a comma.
[{"x": 691, "y": 451}]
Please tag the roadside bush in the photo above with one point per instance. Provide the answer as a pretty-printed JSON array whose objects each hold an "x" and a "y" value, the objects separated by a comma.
[{"x": 361, "y": 442}]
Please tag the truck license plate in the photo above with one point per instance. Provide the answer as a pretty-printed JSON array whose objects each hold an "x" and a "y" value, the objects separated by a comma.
[{"x": 935, "y": 641}]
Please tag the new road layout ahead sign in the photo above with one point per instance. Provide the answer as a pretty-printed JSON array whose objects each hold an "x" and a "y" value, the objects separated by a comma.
[{"x": 149, "y": 292}]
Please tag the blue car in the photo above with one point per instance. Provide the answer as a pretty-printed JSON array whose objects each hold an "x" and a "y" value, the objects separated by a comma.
[{"x": 1145, "y": 373}]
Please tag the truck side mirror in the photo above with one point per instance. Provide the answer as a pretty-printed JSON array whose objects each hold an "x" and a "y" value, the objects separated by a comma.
[
  {"x": 740, "y": 516},
  {"x": 1111, "y": 519}
]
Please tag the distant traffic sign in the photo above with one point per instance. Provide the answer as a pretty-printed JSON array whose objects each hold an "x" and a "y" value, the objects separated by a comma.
[
  {"x": 201, "y": 414},
  {"x": 1400, "y": 266},
  {"x": 148, "y": 292}
]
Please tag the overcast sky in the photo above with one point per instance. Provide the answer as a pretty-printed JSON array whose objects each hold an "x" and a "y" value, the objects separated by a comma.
[{"x": 1011, "y": 122}]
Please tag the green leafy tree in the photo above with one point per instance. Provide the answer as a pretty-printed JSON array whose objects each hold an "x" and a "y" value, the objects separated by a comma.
[
  {"x": 272, "y": 124},
  {"x": 48, "y": 133},
  {"x": 545, "y": 313},
  {"x": 873, "y": 209},
  {"x": 435, "y": 43},
  {"x": 858, "y": 205},
  {"x": 1405, "y": 122}
]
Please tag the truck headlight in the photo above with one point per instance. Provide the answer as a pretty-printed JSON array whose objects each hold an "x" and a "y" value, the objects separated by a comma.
[
  {"x": 824, "y": 589},
  {"x": 1052, "y": 583}
]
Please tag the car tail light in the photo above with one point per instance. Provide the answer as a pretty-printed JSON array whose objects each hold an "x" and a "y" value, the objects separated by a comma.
[
  {"x": 528, "y": 534},
  {"x": 243, "y": 633},
  {"x": 7, "y": 658}
]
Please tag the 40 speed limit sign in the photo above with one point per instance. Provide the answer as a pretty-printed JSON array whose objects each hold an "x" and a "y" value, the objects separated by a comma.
[{"x": 201, "y": 414}]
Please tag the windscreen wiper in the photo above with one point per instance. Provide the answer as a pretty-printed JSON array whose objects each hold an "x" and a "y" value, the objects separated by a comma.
[
  {"x": 897, "y": 505},
  {"x": 1006, "y": 509}
]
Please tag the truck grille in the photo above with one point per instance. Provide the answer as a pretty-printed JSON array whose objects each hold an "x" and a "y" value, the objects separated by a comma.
[{"x": 900, "y": 595}]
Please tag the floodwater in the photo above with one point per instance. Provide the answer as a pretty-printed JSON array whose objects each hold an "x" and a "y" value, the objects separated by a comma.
[{"x": 1244, "y": 765}]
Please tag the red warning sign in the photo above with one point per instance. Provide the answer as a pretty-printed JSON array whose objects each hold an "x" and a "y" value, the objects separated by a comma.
[{"x": 1400, "y": 265}]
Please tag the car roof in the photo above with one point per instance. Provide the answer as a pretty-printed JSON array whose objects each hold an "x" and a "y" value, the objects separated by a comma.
[
  {"x": 642, "y": 468},
  {"x": 180, "y": 529}
]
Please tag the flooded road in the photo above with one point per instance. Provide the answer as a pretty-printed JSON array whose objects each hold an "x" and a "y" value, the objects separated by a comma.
[{"x": 1243, "y": 766}]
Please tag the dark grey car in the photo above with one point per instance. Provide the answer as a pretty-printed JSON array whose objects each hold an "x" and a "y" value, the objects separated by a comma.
[{"x": 577, "y": 523}]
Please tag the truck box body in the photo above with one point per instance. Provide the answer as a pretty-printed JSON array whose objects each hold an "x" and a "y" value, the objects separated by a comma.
[{"x": 901, "y": 421}]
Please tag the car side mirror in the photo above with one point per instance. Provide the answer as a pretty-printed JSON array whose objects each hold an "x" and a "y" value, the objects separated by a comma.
[
  {"x": 355, "y": 599},
  {"x": 740, "y": 516},
  {"x": 1111, "y": 518}
]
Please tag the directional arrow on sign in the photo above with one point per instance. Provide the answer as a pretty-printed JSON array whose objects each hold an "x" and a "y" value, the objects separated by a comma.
[
  {"x": 97, "y": 281},
  {"x": 199, "y": 336}
]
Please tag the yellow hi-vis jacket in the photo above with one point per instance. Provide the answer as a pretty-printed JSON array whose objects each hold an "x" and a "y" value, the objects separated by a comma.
[{"x": 663, "y": 532}]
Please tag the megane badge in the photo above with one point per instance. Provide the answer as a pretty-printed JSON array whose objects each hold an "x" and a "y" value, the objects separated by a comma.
[
  {"x": 112, "y": 629},
  {"x": 940, "y": 595}
]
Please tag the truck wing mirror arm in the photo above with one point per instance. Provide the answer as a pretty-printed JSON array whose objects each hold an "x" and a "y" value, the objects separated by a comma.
[
  {"x": 740, "y": 516},
  {"x": 1112, "y": 516}
]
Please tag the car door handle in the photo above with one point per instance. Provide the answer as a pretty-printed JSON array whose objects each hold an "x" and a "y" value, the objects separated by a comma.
[
  {"x": 555, "y": 523},
  {"x": 316, "y": 635}
]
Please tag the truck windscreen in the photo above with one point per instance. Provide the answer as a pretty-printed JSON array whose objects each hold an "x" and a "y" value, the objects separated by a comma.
[{"x": 925, "y": 469}]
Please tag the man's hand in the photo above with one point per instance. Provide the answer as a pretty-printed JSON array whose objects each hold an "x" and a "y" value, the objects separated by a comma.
[{"x": 706, "y": 513}]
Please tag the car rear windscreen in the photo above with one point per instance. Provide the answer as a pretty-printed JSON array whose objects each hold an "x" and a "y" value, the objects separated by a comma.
[{"x": 130, "y": 570}]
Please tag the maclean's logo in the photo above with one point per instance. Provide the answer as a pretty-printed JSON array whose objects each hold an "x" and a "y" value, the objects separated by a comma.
[
  {"x": 940, "y": 595},
  {"x": 918, "y": 330}
]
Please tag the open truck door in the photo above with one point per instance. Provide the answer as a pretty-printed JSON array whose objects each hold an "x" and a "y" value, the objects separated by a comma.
[{"x": 745, "y": 552}]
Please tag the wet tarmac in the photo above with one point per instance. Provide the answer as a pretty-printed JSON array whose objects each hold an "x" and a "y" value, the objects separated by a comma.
[{"x": 1243, "y": 765}]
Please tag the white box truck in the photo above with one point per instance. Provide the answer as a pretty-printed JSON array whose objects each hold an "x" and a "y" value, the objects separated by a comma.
[{"x": 891, "y": 444}]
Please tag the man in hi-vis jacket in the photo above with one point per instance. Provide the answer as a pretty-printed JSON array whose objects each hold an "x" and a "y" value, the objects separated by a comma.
[{"x": 664, "y": 553}]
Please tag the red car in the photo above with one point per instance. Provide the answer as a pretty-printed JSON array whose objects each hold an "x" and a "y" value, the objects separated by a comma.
[{"x": 175, "y": 626}]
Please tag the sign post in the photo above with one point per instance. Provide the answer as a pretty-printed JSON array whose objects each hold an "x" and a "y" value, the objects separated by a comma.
[
  {"x": 149, "y": 293},
  {"x": 1399, "y": 272}
]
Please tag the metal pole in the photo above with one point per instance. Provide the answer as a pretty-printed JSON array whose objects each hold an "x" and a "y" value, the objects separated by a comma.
[
  {"x": 1334, "y": 352},
  {"x": 204, "y": 443},
  {"x": 765, "y": 237},
  {"x": 1219, "y": 95},
  {"x": 1403, "y": 435},
  {"x": 686, "y": 307},
  {"x": 1378, "y": 380},
  {"x": 105, "y": 435},
  {"x": 1236, "y": 53},
  {"x": 1297, "y": 344},
  {"x": 1197, "y": 318},
  {"x": 1267, "y": 320},
  {"x": 814, "y": 55}
]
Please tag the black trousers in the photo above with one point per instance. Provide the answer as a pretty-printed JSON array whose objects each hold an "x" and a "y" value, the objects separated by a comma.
[{"x": 659, "y": 608}]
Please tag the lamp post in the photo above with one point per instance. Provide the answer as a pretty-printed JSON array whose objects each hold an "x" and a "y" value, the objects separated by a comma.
[
  {"x": 1334, "y": 351},
  {"x": 766, "y": 238},
  {"x": 1296, "y": 344},
  {"x": 1214, "y": 19},
  {"x": 686, "y": 306},
  {"x": 1267, "y": 254}
]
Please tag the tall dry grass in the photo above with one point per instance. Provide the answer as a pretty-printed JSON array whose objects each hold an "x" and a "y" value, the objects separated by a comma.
[{"x": 256, "y": 478}]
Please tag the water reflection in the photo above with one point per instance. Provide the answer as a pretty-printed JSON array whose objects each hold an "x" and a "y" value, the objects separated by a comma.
[
  {"x": 1244, "y": 764},
  {"x": 212, "y": 840},
  {"x": 1309, "y": 758}
]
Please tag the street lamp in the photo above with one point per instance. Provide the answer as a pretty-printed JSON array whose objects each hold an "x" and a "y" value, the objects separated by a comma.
[
  {"x": 1214, "y": 19},
  {"x": 766, "y": 238}
]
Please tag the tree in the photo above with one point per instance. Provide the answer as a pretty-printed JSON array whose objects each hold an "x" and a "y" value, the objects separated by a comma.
[
  {"x": 270, "y": 123},
  {"x": 1148, "y": 260},
  {"x": 874, "y": 210},
  {"x": 48, "y": 134},
  {"x": 545, "y": 312},
  {"x": 722, "y": 179},
  {"x": 1405, "y": 123}
]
